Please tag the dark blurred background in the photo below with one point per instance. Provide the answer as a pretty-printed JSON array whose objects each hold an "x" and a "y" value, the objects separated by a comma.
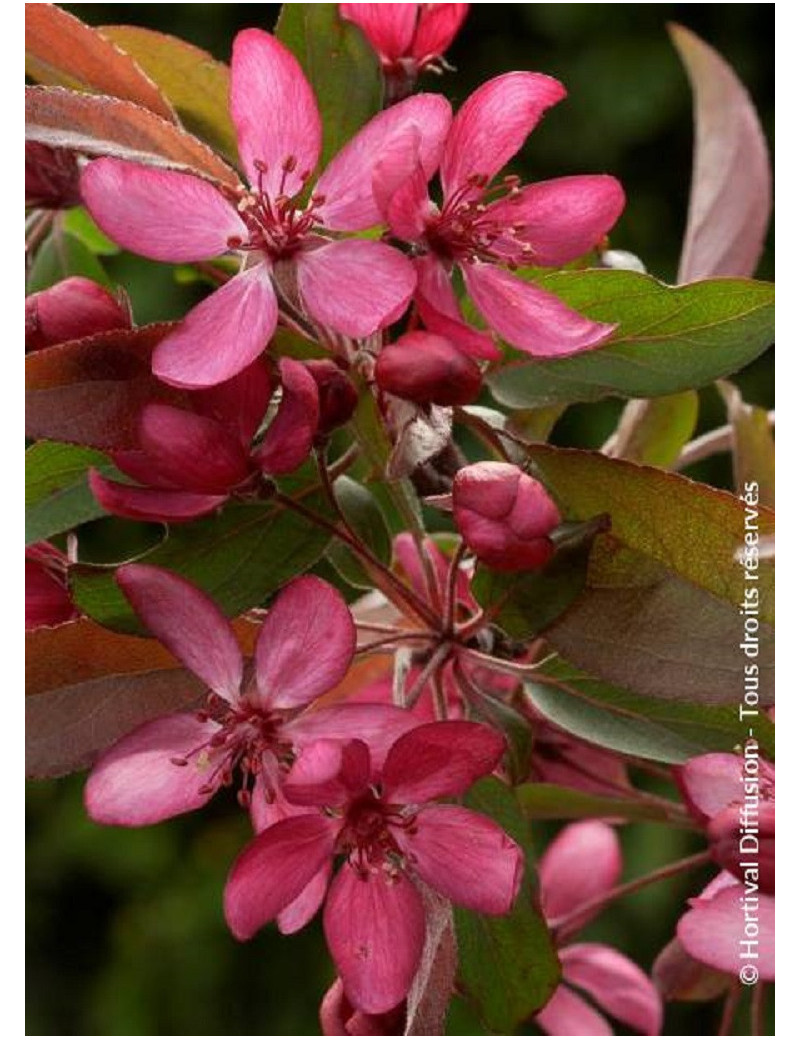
[{"x": 125, "y": 929}]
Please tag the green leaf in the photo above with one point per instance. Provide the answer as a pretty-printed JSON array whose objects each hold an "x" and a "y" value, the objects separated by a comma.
[
  {"x": 524, "y": 603},
  {"x": 753, "y": 445},
  {"x": 57, "y": 497},
  {"x": 194, "y": 83},
  {"x": 78, "y": 223},
  {"x": 60, "y": 256},
  {"x": 552, "y": 802},
  {"x": 341, "y": 67},
  {"x": 365, "y": 517},
  {"x": 508, "y": 968},
  {"x": 239, "y": 557},
  {"x": 667, "y": 340},
  {"x": 654, "y": 432},
  {"x": 514, "y": 726}
]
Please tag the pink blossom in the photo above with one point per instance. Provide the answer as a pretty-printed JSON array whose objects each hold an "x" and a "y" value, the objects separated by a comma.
[
  {"x": 191, "y": 462},
  {"x": 47, "y": 598},
  {"x": 504, "y": 516},
  {"x": 487, "y": 230},
  {"x": 383, "y": 823},
  {"x": 581, "y": 864},
  {"x": 71, "y": 309},
  {"x": 290, "y": 251},
  {"x": 254, "y": 722},
  {"x": 428, "y": 369}
]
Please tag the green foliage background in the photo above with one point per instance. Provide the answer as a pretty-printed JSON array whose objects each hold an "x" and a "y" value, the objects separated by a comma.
[{"x": 125, "y": 929}]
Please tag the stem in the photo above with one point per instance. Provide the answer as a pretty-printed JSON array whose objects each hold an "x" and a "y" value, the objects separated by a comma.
[
  {"x": 439, "y": 697},
  {"x": 450, "y": 591},
  {"x": 405, "y": 637},
  {"x": 36, "y": 228},
  {"x": 375, "y": 626},
  {"x": 712, "y": 443},
  {"x": 566, "y": 925},
  {"x": 437, "y": 658},
  {"x": 729, "y": 1011},
  {"x": 757, "y": 1010}
]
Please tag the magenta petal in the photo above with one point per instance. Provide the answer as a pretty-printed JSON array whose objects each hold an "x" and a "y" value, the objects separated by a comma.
[
  {"x": 70, "y": 309},
  {"x": 290, "y": 435},
  {"x": 408, "y": 208},
  {"x": 440, "y": 758},
  {"x": 375, "y": 929},
  {"x": 136, "y": 783},
  {"x": 305, "y": 645},
  {"x": 222, "y": 335},
  {"x": 713, "y": 930},
  {"x": 161, "y": 214},
  {"x": 275, "y": 114},
  {"x": 156, "y": 504},
  {"x": 301, "y": 910},
  {"x": 191, "y": 451},
  {"x": 274, "y": 869},
  {"x": 464, "y": 856},
  {"x": 438, "y": 307},
  {"x": 528, "y": 317},
  {"x": 378, "y": 725},
  {"x": 355, "y": 287},
  {"x": 492, "y": 125},
  {"x": 438, "y": 25},
  {"x": 710, "y": 783},
  {"x": 617, "y": 985},
  {"x": 567, "y": 1014},
  {"x": 187, "y": 622},
  {"x": 388, "y": 27},
  {"x": 583, "y": 862},
  {"x": 328, "y": 773},
  {"x": 561, "y": 219},
  {"x": 416, "y": 127},
  {"x": 239, "y": 403}
]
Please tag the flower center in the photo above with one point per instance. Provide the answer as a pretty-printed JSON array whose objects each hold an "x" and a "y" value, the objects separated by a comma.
[{"x": 367, "y": 839}]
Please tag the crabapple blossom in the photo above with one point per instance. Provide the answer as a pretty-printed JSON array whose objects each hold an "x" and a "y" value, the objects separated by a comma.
[{"x": 71, "y": 309}]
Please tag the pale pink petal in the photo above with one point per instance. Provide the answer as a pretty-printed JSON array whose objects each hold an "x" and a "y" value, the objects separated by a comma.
[
  {"x": 305, "y": 645},
  {"x": 713, "y": 931},
  {"x": 222, "y": 335},
  {"x": 375, "y": 930},
  {"x": 410, "y": 133},
  {"x": 155, "y": 504},
  {"x": 440, "y": 758},
  {"x": 560, "y": 220},
  {"x": 355, "y": 287},
  {"x": 191, "y": 451},
  {"x": 528, "y": 317},
  {"x": 438, "y": 25},
  {"x": 301, "y": 910},
  {"x": 240, "y": 402},
  {"x": 290, "y": 436},
  {"x": 583, "y": 862},
  {"x": 275, "y": 114},
  {"x": 464, "y": 856},
  {"x": 274, "y": 869},
  {"x": 492, "y": 125},
  {"x": 710, "y": 783},
  {"x": 567, "y": 1014},
  {"x": 161, "y": 214},
  {"x": 187, "y": 622},
  {"x": 438, "y": 307},
  {"x": 328, "y": 773},
  {"x": 388, "y": 27},
  {"x": 137, "y": 782},
  {"x": 379, "y": 725},
  {"x": 616, "y": 984}
]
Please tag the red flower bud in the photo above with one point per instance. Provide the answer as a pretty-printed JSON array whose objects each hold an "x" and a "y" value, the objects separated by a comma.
[
  {"x": 71, "y": 309},
  {"x": 47, "y": 598},
  {"x": 737, "y": 839},
  {"x": 504, "y": 516},
  {"x": 338, "y": 1017},
  {"x": 51, "y": 177},
  {"x": 337, "y": 395},
  {"x": 428, "y": 369}
]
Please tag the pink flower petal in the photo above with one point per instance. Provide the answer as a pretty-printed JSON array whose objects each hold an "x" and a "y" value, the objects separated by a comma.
[
  {"x": 301, "y": 910},
  {"x": 408, "y": 208},
  {"x": 464, "y": 856},
  {"x": 561, "y": 219},
  {"x": 136, "y": 783},
  {"x": 71, "y": 309},
  {"x": 492, "y": 125},
  {"x": 411, "y": 133},
  {"x": 567, "y": 1014},
  {"x": 290, "y": 436},
  {"x": 161, "y": 214},
  {"x": 275, "y": 114},
  {"x": 191, "y": 451},
  {"x": 305, "y": 645},
  {"x": 440, "y": 758},
  {"x": 713, "y": 930},
  {"x": 222, "y": 335},
  {"x": 187, "y": 622},
  {"x": 375, "y": 929},
  {"x": 328, "y": 773},
  {"x": 388, "y": 27},
  {"x": 438, "y": 307},
  {"x": 274, "y": 869},
  {"x": 379, "y": 725},
  {"x": 710, "y": 783},
  {"x": 47, "y": 599},
  {"x": 583, "y": 862},
  {"x": 616, "y": 984},
  {"x": 239, "y": 403},
  {"x": 438, "y": 25},
  {"x": 155, "y": 504},
  {"x": 528, "y": 317},
  {"x": 355, "y": 287},
  {"x": 268, "y": 805}
]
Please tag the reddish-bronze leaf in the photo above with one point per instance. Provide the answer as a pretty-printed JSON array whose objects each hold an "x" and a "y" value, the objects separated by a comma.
[
  {"x": 90, "y": 391},
  {"x": 97, "y": 125},
  {"x": 63, "y": 52}
]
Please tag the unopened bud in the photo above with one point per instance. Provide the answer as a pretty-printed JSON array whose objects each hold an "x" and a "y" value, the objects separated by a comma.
[
  {"x": 428, "y": 369},
  {"x": 337, "y": 395},
  {"x": 71, "y": 309}
]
